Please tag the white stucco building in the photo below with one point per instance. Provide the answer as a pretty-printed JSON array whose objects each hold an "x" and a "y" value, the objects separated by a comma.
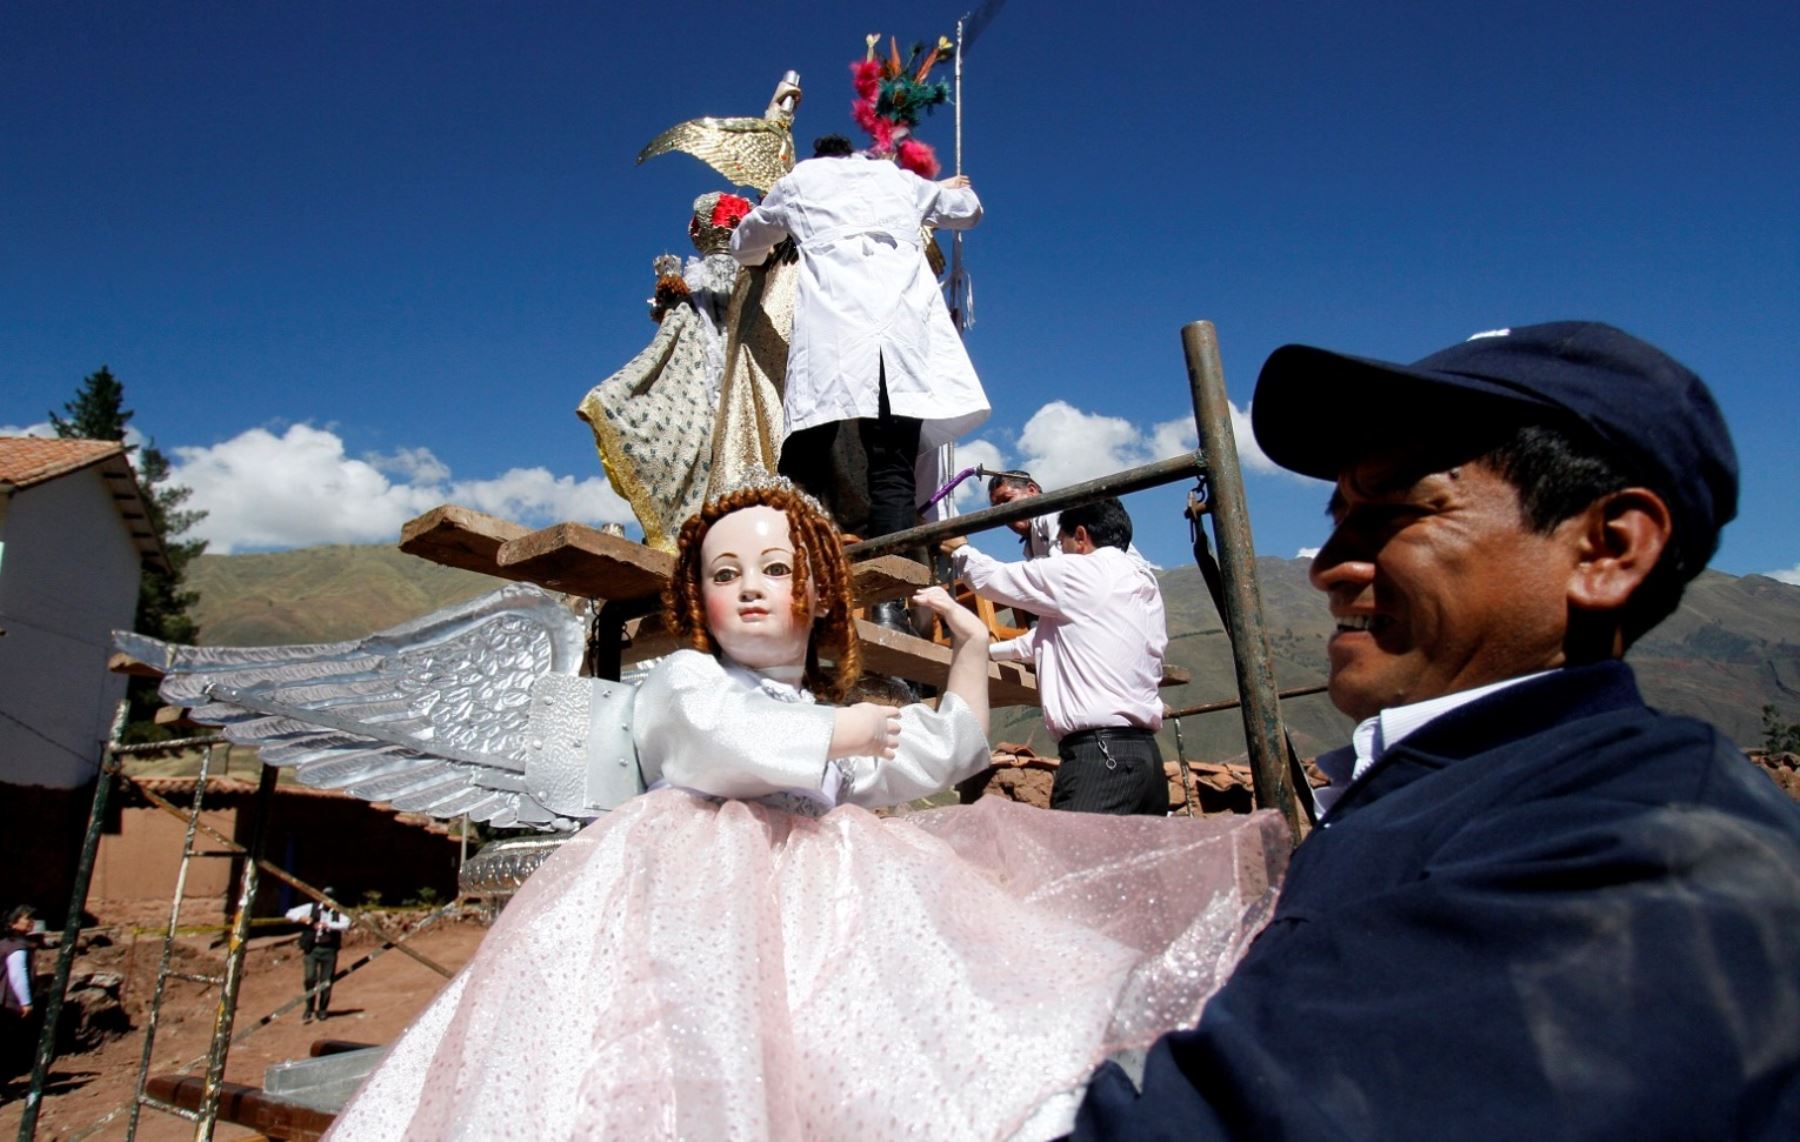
[{"x": 73, "y": 535}]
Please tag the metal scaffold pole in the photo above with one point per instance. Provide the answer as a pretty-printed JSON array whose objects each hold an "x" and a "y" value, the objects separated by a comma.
[
  {"x": 65, "y": 953},
  {"x": 234, "y": 958},
  {"x": 163, "y": 971},
  {"x": 1243, "y": 616}
]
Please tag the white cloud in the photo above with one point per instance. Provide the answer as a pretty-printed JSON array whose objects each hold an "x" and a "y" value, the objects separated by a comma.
[
  {"x": 1062, "y": 445},
  {"x": 1306, "y": 553},
  {"x": 1791, "y": 575},
  {"x": 299, "y": 488},
  {"x": 1173, "y": 437},
  {"x": 1250, "y": 453},
  {"x": 416, "y": 465},
  {"x": 533, "y": 495}
]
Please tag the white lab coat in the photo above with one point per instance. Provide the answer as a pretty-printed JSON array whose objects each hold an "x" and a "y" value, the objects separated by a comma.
[{"x": 866, "y": 295}]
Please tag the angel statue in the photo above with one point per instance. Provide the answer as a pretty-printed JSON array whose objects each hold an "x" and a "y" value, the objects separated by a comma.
[
  {"x": 653, "y": 419},
  {"x": 700, "y": 407},
  {"x": 683, "y": 419},
  {"x": 745, "y": 950}
]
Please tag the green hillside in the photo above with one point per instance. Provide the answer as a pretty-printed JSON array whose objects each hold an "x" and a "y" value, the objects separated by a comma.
[
  {"x": 320, "y": 594},
  {"x": 1733, "y": 646}
]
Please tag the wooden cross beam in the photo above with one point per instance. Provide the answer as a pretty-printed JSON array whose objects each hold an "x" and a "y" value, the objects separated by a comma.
[{"x": 579, "y": 560}]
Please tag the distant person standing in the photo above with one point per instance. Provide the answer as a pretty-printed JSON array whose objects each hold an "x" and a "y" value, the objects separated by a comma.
[
  {"x": 320, "y": 940},
  {"x": 18, "y": 1035},
  {"x": 1098, "y": 648},
  {"x": 873, "y": 342}
]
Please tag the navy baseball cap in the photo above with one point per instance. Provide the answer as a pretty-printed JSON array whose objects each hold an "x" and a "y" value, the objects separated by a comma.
[{"x": 1316, "y": 411}]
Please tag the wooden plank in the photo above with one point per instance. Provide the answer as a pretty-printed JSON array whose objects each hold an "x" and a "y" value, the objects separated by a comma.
[
  {"x": 174, "y": 717},
  {"x": 121, "y": 663},
  {"x": 906, "y": 656},
  {"x": 580, "y": 560},
  {"x": 887, "y": 577},
  {"x": 268, "y": 1114},
  {"x": 459, "y": 537}
]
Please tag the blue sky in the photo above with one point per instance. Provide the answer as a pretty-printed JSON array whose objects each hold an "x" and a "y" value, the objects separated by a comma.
[{"x": 354, "y": 259}]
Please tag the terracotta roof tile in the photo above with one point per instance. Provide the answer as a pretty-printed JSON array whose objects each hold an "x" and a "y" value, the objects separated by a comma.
[
  {"x": 232, "y": 787},
  {"x": 28, "y": 460}
]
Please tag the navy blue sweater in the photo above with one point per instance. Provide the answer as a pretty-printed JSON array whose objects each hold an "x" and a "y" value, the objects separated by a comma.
[{"x": 1551, "y": 913}]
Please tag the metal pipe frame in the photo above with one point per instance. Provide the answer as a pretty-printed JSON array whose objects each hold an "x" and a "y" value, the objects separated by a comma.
[
  {"x": 1224, "y": 704},
  {"x": 1118, "y": 484},
  {"x": 295, "y": 882},
  {"x": 1263, "y": 733},
  {"x": 65, "y": 954},
  {"x": 237, "y": 945},
  {"x": 238, "y": 1036},
  {"x": 168, "y": 946},
  {"x": 168, "y": 746},
  {"x": 216, "y": 1054}
]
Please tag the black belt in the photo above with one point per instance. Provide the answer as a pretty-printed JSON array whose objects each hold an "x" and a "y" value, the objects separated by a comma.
[{"x": 1106, "y": 733}]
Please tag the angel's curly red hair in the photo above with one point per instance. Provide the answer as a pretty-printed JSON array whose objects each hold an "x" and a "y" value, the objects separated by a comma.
[{"x": 820, "y": 561}]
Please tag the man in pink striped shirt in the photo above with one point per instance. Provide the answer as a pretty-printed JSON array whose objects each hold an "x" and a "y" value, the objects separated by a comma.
[{"x": 1098, "y": 650}]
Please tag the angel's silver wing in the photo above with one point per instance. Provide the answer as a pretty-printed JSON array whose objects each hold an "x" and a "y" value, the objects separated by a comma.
[{"x": 472, "y": 709}]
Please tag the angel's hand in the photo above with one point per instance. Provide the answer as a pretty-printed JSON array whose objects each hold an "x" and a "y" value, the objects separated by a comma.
[
  {"x": 785, "y": 253},
  {"x": 865, "y": 730},
  {"x": 964, "y": 624},
  {"x": 955, "y": 182}
]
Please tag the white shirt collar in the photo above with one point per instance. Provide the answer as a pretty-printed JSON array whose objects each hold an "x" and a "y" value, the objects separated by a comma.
[{"x": 1374, "y": 736}]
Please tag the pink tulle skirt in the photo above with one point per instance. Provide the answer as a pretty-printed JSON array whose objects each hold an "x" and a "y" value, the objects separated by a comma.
[{"x": 686, "y": 968}]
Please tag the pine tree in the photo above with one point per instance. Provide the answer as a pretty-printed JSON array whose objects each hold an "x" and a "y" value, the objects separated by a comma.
[
  {"x": 164, "y": 603},
  {"x": 165, "y": 606},
  {"x": 98, "y": 411}
]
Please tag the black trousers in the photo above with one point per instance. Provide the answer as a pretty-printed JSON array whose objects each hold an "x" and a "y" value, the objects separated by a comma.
[
  {"x": 321, "y": 965},
  {"x": 890, "y": 443},
  {"x": 19, "y": 1038},
  {"x": 1118, "y": 771}
]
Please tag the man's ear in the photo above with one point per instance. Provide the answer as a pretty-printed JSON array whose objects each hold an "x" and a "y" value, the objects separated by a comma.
[{"x": 1619, "y": 540}]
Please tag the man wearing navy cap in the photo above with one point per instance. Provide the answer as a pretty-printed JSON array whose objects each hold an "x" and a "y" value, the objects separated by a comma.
[{"x": 1534, "y": 906}]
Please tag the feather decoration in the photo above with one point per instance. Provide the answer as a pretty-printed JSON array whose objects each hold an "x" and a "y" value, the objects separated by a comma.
[
  {"x": 890, "y": 95},
  {"x": 918, "y": 158}
]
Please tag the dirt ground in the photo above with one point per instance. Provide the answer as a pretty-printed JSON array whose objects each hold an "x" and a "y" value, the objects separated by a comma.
[{"x": 372, "y": 1005}]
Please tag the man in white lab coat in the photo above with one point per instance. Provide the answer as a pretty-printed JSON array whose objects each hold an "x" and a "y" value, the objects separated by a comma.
[{"x": 872, "y": 341}]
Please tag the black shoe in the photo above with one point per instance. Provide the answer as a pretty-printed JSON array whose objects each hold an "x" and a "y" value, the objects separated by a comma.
[
  {"x": 883, "y": 690},
  {"x": 307, "y": 1017},
  {"x": 892, "y": 615}
]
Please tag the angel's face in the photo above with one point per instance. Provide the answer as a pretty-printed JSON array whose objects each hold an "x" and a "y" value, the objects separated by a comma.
[{"x": 747, "y": 563}]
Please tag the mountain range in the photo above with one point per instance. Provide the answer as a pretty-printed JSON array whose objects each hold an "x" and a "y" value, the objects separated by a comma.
[{"x": 1732, "y": 648}]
